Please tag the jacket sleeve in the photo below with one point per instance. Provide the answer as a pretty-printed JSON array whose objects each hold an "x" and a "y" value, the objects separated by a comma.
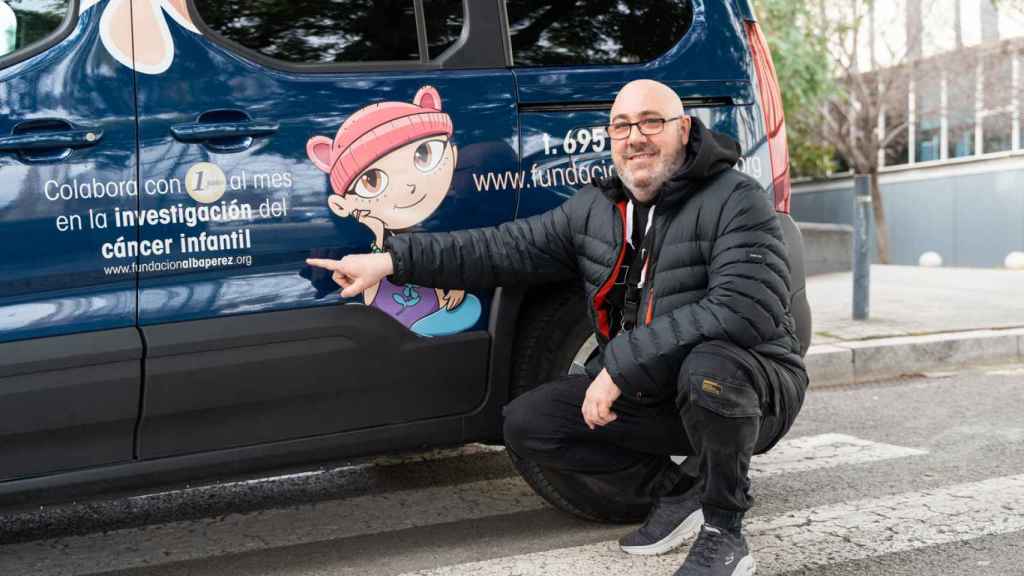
[
  {"x": 532, "y": 250},
  {"x": 746, "y": 302}
]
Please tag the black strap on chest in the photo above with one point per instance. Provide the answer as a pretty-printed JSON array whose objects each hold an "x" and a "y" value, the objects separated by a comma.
[
  {"x": 627, "y": 293},
  {"x": 633, "y": 293}
]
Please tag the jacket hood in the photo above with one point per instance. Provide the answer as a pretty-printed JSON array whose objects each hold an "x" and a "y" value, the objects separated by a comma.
[{"x": 708, "y": 153}]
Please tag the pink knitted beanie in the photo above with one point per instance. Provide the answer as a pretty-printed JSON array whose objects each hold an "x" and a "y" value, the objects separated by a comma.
[{"x": 373, "y": 132}]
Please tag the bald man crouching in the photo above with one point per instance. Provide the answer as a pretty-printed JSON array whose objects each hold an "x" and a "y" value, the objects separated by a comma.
[{"x": 684, "y": 268}]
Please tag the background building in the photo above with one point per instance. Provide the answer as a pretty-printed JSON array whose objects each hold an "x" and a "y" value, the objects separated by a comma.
[{"x": 952, "y": 176}]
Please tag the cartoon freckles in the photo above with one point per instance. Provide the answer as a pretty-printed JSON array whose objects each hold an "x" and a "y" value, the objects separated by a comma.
[{"x": 391, "y": 165}]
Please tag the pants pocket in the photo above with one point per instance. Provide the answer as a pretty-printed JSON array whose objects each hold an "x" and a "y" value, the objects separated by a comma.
[{"x": 726, "y": 397}]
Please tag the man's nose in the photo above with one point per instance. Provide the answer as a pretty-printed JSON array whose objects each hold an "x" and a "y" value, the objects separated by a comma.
[{"x": 636, "y": 137}]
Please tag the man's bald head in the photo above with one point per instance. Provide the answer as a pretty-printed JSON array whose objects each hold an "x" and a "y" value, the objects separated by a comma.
[
  {"x": 645, "y": 161},
  {"x": 640, "y": 95}
]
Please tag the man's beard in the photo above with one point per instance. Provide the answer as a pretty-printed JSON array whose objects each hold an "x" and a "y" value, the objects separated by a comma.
[{"x": 659, "y": 174}]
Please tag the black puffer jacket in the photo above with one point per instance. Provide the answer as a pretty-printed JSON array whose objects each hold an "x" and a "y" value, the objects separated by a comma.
[{"x": 720, "y": 265}]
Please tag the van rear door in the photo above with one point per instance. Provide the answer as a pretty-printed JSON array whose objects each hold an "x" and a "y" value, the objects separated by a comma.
[{"x": 571, "y": 58}]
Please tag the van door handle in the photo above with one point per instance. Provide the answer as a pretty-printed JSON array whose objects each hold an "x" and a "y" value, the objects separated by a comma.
[
  {"x": 48, "y": 139},
  {"x": 201, "y": 132}
]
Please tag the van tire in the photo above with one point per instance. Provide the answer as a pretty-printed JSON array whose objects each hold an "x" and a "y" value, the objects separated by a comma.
[{"x": 551, "y": 330}]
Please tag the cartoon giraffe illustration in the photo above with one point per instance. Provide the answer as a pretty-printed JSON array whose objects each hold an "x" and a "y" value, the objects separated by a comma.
[{"x": 391, "y": 166}]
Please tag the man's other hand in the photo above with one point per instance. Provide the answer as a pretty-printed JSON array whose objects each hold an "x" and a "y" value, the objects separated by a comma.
[
  {"x": 597, "y": 405},
  {"x": 355, "y": 273}
]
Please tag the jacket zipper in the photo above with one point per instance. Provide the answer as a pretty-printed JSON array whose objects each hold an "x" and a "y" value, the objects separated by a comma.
[
  {"x": 601, "y": 313},
  {"x": 650, "y": 305},
  {"x": 651, "y": 265}
]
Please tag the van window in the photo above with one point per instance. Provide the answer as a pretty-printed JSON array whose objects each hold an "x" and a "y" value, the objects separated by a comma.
[
  {"x": 444, "y": 24},
  {"x": 26, "y": 22},
  {"x": 318, "y": 31},
  {"x": 578, "y": 32}
]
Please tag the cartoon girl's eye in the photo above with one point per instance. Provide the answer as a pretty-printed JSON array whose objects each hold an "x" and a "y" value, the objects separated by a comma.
[
  {"x": 371, "y": 183},
  {"x": 428, "y": 155}
]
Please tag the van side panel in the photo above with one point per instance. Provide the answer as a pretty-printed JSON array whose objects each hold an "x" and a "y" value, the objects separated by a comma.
[{"x": 70, "y": 357}]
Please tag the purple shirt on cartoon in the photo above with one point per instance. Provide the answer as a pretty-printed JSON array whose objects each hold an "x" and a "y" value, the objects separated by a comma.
[{"x": 408, "y": 303}]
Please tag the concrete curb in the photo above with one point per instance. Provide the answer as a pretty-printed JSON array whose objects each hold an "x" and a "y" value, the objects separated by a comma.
[{"x": 853, "y": 362}]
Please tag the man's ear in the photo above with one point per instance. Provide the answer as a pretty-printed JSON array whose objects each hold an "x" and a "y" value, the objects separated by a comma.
[
  {"x": 319, "y": 150},
  {"x": 684, "y": 129}
]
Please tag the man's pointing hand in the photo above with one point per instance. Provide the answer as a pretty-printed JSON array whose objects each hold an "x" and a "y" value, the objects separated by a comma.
[{"x": 355, "y": 273}]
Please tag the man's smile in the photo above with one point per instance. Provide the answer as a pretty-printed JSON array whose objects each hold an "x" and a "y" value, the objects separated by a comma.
[{"x": 641, "y": 156}]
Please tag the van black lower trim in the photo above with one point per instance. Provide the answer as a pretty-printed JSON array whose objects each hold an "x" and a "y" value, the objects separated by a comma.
[
  {"x": 68, "y": 401},
  {"x": 230, "y": 462},
  {"x": 236, "y": 381}
]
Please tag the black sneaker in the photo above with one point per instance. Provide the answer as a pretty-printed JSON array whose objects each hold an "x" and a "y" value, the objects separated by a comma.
[
  {"x": 718, "y": 553},
  {"x": 673, "y": 521}
]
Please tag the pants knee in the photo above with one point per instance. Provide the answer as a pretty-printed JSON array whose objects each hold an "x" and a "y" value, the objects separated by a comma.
[
  {"x": 516, "y": 427},
  {"x": 713, "y": 378}
]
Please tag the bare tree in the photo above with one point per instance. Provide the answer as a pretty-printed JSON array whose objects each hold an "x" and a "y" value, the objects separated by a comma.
[
  {"x": 888, "y": 77},
  {"x": 851, "y": 120}
]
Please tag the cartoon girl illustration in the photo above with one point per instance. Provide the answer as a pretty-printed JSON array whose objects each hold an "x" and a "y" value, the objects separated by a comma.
[{"x": 390, "y": 167}]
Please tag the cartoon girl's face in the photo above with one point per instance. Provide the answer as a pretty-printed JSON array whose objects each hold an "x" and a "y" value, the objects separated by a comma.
[{"x": 404, "y": 187}]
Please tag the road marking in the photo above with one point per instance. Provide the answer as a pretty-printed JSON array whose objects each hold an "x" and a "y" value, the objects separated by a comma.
[
  {"x": 811, "y": 537},
  {"x": 824, "y": 451},
  {"x": 1006, "y": 372},
  {"x": 363, "y": 515}
]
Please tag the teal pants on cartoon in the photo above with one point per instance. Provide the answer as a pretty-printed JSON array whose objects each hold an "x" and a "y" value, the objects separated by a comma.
[{"x": 445, "y": 322}]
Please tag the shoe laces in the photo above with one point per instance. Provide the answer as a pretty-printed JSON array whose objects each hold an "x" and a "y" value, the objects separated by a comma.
[{"x": 705, "y": 549}]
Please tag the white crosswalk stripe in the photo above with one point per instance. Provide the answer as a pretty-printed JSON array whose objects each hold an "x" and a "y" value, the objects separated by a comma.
[
  {"x": 372, "y": 514},
  {"x": 813, "y": 537},
  {"x": 824, "y": 451}
]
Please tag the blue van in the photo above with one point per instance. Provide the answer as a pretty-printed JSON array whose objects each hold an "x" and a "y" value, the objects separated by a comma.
[{"x": 168, "y": 165}]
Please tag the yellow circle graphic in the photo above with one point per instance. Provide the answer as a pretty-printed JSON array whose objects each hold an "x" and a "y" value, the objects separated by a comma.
[{"x": 205, "y": 182}]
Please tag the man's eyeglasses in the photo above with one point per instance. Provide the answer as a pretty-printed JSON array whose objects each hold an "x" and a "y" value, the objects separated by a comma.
[{"x": 648, "y": 127}]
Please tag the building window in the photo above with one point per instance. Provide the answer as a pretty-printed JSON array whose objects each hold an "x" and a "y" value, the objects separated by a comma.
[
  {"x": 928, "y": 109},
  {"x": 998, "y": 132},
  {"x": 996, "y": 95},
  {"x": 961, "y": 90},
  {"x": 895, "y": 122},
  {"x": 574, "y": 32}
]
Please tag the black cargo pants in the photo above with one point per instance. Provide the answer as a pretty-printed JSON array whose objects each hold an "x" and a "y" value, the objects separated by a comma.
[{"x": 731, "y": 403}]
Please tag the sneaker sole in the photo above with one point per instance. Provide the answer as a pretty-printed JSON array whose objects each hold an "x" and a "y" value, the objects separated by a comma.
[
  {"x": 746, "y": 567},
  {"x": 686, "y": 530}
]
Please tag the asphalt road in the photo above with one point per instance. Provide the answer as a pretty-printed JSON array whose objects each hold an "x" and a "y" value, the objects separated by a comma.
[{"x": 920, "y": 477}]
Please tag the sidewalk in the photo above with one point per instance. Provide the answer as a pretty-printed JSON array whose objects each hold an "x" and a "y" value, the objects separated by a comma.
[{"x": 920, "y": 319}]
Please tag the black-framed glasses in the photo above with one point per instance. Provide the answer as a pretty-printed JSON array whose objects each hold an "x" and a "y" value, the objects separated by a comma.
[{"x": 620, "y": 130}]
